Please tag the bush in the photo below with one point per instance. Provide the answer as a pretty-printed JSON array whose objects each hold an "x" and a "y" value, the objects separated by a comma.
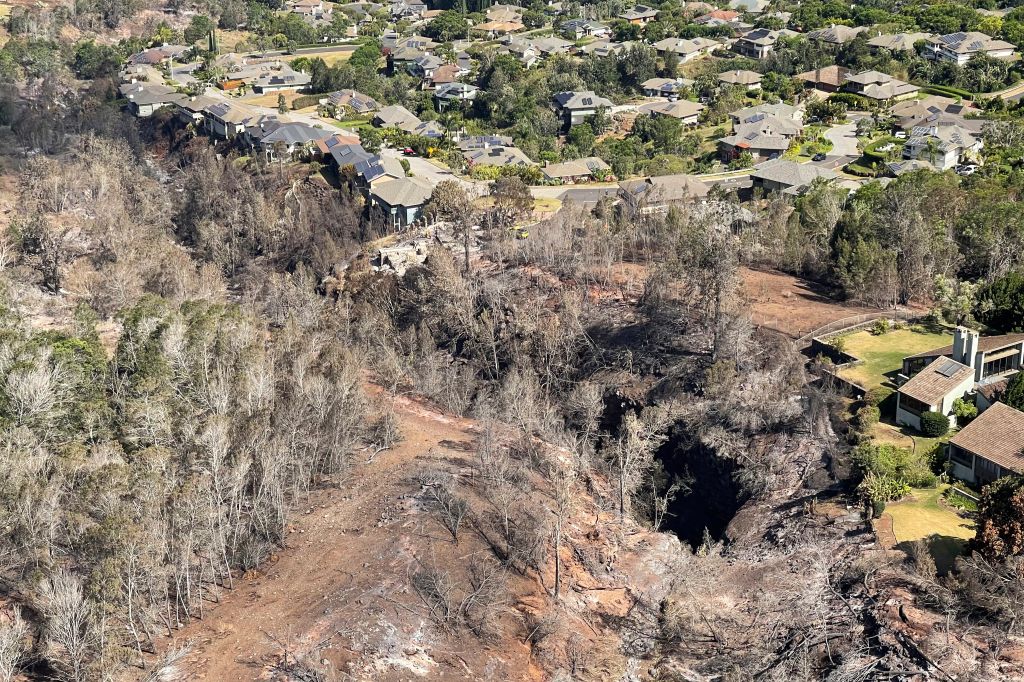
[
  {"x": 303, "y": 101},
  {"x": 876, "y": 396},
  {"x": 934, "y": 424},
  {"x": 867, "y": 417},
  {"x": 958, "y": 501},
  {"x": 860, "y": 170},
  {"x": 881, "y": 489},
  {"x": 965, "y": 412},
  {"x": 891, "y": 462},
  {"x": 947, "y": 91},
  {"x": 877, "y": 508},
  {"x": 881, "y": 327},
  {"x": 838, "y": 342}
]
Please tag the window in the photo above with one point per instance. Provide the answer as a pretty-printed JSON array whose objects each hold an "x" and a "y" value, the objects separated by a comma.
[
  {"x": 961, "y": 457},
  {"x": 912, "y": 405},
  {"x": 1000, "y": 365},
  {"x": 985, "y": 470}
]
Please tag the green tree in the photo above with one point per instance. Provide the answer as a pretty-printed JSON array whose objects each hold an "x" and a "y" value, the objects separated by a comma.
[
  {"x": 1001, "y": 303},
  {"x": 447, "y": 26},
  {"x": 1014, "y": 395},
  {"x": 198, "y": 28}
]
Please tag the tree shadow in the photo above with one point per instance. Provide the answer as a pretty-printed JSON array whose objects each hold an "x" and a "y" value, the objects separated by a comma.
[{"x": 944, "y": 549}]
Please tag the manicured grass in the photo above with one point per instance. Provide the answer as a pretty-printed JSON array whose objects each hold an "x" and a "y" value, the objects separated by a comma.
[
  {"x": 923, "y": 516},
  {"x": 883, "y": 355}
]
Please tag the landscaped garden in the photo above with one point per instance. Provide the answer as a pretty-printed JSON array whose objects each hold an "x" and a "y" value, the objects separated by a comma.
[
  {"x": 882, "y": 354},
  {"x": 925, "y": 515}
]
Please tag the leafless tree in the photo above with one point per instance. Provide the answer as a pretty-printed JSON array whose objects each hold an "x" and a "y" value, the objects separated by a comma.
[{"x": 12, "y": 646}]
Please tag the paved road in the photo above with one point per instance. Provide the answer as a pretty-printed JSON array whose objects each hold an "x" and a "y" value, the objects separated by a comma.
[{"x": 843, "y": 139}]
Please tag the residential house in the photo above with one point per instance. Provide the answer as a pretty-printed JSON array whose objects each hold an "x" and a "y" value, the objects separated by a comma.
[
  {"x": 393, "y": 42},
  {"x": 504, "y": 13},
  {"x": 582, "y": 28},
  {"x": 575, "y": 107},
  {"x": 580, "y": 170},
  {"x": 960, "y": 47},
  {"x": 836, "y": 34},
  {"x": 790, "y": 118},
  {"x": 936, "y": 110},
  {"x": 686, "y": 111},
  {"x": 749, "y": 6},
  {"x": 879, "y": 86},
  {"x": 941, "y": 145},
  {"x": 444, "y": 75},
  {"x": 229, "y": 119},
  {"x": 670, "y": 88},
  {"x": 827, "y": 78},
  {"x": 431, "y": 129},
  {"x": 141, "y": 73},
  {"x": 395, "y": 116},
  {"x": 493, "y": 29},
  {"x": 897, "y": 42},
  {"x": 425, "y": 66},
  {"x": 492, "y": 150},
  {"x": 407, "y": 9},
  {"x": 312, "y": 9},
  {"x": 968, "y": 369},
  {"x": 524, "y": 51},
  {"x": 605, "y": 48},
  {"x": 350, "y": 100},
  {"x": 656, "y": 194},
  {"x": 401, "y": 200},
  {"x": 145, "y": 98},
  {"x": 158, "y": 55},
  {"x": 789, "y": 177},
  {"x": 990, "y": 447},
  {"x": 284, "y": 79},
  {"x": 641, "y": 15},
  {"x": 450, "y": 93},
  {"x": 750, "y": 79},
  {"x": 718, "y": 17},
  {"x": 760, "y": 42},
  {"x": 190, "y": 110},
  {"x": 764, "y": 136},
  {"x": 551, "y": 45},
  {"x": 687, "y": 49},
  {"x": 291, "y": 140},
  {"x": 993, "y": 358},
  {"x": 898, "y": 168},
  {"x": 347, "y": 155},
  {"x": 933, "y": 389},
  {"x": 377, "y": 170}
]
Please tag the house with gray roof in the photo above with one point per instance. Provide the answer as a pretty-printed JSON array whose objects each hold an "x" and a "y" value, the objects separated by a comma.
[
  {"x": 656, "y": 194},
  {"x": 291, "y": 140},
  {"x": 284, "y": 79},
  {"x": 760, "y": 42},
  {"x": 789, "y": 177},
  {"x": 351, "y": 100},
  {"x": 395, "y": 116},
  {"x": 576, "y": 106},
  {"x": 682, "y": 109},
  {"x": 879, "y": 86},
  {"x": 687, "y": 49},
  {"x": 579, "y": 170},
  {"x": 897, "y": 42},
  {"x": 941, "y": 145},
  {"x": 401, "y": 200},
  {"x": 455, "y": 93},
  {"x": 750, "y": 79},
  {"x": 836, "y": 34},
  {"x": 229, "y": 119},
  {"x": 143, "y": 99}
]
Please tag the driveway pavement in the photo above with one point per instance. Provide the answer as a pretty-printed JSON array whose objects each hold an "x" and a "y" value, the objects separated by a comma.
[{"x": 422, "y": 168}]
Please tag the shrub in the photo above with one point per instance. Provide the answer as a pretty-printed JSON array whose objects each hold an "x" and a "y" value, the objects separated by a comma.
[
  {"x": 934, "y": 424},
  {"x": 892, "y": 462},
  {"x": 881, "y": 489},
  {"x": 958, "y": 501},
  {"x": 877, "y": 508},
  {"x": 964, "y": 411},
  {"x": 876, "y": 396},
  {"x": 303, "y": 101},
  {"x": 867, "y": 417},
  {"x": 881, "y": 327},
  {"x": 838, "y": 342}
]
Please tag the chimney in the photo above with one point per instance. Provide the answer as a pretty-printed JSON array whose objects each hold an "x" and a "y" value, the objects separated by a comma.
[{"x": 965, "y": 346}]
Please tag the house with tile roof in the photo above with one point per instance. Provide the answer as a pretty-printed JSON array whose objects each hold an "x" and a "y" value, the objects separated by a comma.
[
  {"x": 836, "y": 34},
  {"x": 576, "y": 106},
  {"x": 990, "y": 447},
  {"x": 750, "y": 79},
  {"x": 827, "y": 78},
  {"x": 760, "y": 42},
  {"x": 879, "y": 86},
  {"x": 941, "y": 145},
  {"x": 641, "y": 15},
  {"x": 897, "y": 42},
  {"x": 682, "y": 109},
  {"x": 971, "y": 364}
]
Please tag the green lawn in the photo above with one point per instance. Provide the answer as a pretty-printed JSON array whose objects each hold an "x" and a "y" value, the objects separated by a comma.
[
  {"x": 883, "y": 355},
  {"x": 923, "y": 516}
]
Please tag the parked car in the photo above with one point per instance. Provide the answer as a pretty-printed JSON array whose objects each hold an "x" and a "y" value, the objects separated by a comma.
[
  {"x": 409, "y": 151},
  {"x": 820, "y": 156},
  {"x": 900, "y": 134},
  {"x": 967, "y": 169}
]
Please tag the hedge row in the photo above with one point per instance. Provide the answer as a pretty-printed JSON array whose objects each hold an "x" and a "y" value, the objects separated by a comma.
[
  {"x": 303, "y": 101},
  {"x": 869, "y": 151},
  {"x": 947, "y": 91}
]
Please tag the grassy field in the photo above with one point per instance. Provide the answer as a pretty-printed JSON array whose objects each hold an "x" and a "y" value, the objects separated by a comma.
[
  {"x": 330, "y": 58},
  {"x": 924, "y": 517},
  {"x": 883, "y": 355}
]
